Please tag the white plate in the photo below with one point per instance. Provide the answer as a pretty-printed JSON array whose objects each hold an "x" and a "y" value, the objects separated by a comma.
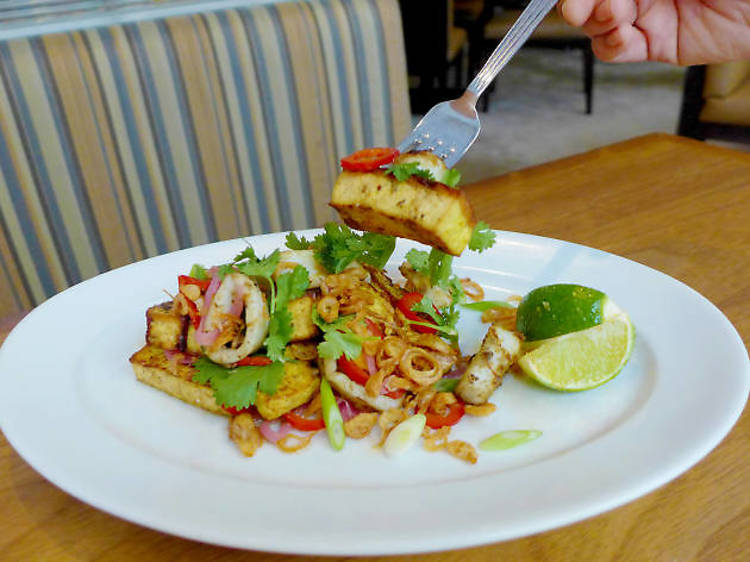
[{"x": 72, "y": 408}]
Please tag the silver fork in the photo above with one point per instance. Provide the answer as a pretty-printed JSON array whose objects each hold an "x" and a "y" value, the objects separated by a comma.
[{"x": 451, "y": 127}]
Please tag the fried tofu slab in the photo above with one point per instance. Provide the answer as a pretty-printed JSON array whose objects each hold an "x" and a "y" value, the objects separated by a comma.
[
  {"x": 153, "y": 367},
  {"x": 419, "y": 209}
]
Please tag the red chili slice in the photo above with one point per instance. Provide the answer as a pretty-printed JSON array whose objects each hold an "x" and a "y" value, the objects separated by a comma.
[
  {"x": 455, "y": 413},
  {"x": 368, "y": 159},
  {"x": 235, "y": 411},
  {"x": 304, "y": 424},
  {"x": 254, "y": 361},
  {"x": 187, "y": 280}
]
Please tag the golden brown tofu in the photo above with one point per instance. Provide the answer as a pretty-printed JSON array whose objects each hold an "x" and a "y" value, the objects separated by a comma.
[
  {"x": 152, "y": 367},
  {"x": 165, "y": 328},
  {"x": 303, "y": 327},
  {"x": 300, "y": 382},
  {"x": 425, "y": 211}
]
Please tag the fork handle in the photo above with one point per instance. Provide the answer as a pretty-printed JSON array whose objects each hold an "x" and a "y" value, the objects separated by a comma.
[{"x": 513, "y": 40}]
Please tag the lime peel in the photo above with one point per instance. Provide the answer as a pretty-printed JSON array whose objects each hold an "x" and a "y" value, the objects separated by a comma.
[
  {"x": 582, "y": 360},
  {"x": 509, "y": 439},
  {"x": 561, "y": 308}
]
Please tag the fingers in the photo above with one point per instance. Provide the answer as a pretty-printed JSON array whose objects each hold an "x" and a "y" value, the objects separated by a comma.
[
  {"x": 610, "y": 24},
  {"x": 577, "y": 12},
  {"x": 609, "y": 15},
  {"x": 623, "y": 44}
]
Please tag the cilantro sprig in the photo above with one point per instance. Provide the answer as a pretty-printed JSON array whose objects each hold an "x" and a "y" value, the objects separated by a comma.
[
  {"x": 339, "y": 245},
  {"x": 338, "y": 338},
  {"x": 238, "y": 387},
  {"x": 482, "y": 237},
  {"x": 403, "y": 172}
]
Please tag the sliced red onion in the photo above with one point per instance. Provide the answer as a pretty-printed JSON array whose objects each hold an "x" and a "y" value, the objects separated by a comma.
[
  {"x": 273, "y": 430},
  {"x": 347, "y": 409},
  {"x": 238, "y": 301},
  {"x": 372, "y": 368},
  {"x": 456, "y": 372},
  {"x": 202, "y": 337},
  {"x": 213, "y": 286}
]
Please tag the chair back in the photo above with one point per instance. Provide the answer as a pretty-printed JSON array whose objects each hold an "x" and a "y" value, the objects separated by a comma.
[{"x": 123, "y": 142}]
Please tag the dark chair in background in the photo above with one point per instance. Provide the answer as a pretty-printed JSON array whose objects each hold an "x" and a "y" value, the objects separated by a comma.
[
  {"x": 436, "y": 51},
  {"x": 716, "y": 102},
  {"x": 552, "y": 33}
]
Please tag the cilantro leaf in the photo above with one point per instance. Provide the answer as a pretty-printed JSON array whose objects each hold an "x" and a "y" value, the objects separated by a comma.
[
  {"x": 452, "y": 177},
  {"x": 439, "y": 265},
  {"x": 224, "y": 270},
  {"x": 418, "y": 259},
  {"x": 255, "y": 267},
  {"x": 482, "y": 237},
  {"x": 198, "y": 272},
  {"x": 294, "y": 242},
  {"x": 339, "y": 246},
  {"x": 247, "y": 254},
  {"x": 403, "y": 172},
  {"x": 427, "y": 307},
  {"x": 335, "y": 344},
  {"x": 238, "y": 387},
  {"x": 338, "y": 338},
  {"x": 289, "y": 286}
]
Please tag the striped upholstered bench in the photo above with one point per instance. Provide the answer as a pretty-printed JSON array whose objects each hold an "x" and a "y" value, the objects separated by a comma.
[{"x": 123, "y": 142}]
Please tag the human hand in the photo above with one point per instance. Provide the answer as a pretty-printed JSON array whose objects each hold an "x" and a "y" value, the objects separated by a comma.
[{"x": 681, "y": 32}]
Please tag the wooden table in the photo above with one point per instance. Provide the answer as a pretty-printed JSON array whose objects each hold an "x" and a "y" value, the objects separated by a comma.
[{"x": 677, "y": 205}]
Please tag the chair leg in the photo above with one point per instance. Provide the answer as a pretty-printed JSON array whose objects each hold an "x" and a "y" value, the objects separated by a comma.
[
  {"x": 588, "y": 77},
  {"x": 692, "y": 101}
]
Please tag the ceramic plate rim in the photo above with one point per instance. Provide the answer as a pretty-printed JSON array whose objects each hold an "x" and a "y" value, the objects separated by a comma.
[{"x": 363, "y": 540}]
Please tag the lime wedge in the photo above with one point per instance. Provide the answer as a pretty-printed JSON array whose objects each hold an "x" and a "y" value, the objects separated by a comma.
[
  {"x": 583, "y": 359},
  {"x": 554, "y": 310}
]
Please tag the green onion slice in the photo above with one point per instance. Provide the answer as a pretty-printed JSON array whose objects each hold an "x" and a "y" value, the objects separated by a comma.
[
  {"x": 481, "y": 306},
  {"x": 509, "y": 439},
  {"x": 332, "y": 416}
]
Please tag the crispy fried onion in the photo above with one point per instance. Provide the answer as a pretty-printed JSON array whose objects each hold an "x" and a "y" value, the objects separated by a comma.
[
  {"x": 328, "y": 308},
  {"x": 291, "y": 442},
  {"x": 504, "y": 315},
  {"x": 337, "y": 283},
  {"x": 472, "y": 289},
  {"x": 480, "y": 411},
  {"x": 386, "y": 353},
  {"x": 462, "y": 450},
  {"x": 436, "y": 440},
  {"x": 420, "y": 402},
  {"x": 441, "y": 403},
  {"x": 360, "y": 425},
  {"x": 245, "y": 434},
  {"x": 420, "y": 366}
]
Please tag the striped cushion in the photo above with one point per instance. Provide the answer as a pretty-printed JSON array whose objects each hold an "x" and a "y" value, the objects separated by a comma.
[{"x": 130, "y": 141}]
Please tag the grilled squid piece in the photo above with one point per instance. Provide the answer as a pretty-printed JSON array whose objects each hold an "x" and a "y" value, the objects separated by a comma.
[
  {"x": 233, "y": 338},
  {"x": 499, "y": 350},
  {"x": 350, "y": 390}
]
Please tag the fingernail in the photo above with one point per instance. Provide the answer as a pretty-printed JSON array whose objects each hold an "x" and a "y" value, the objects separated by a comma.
[{"x": 612, "y": 39}]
